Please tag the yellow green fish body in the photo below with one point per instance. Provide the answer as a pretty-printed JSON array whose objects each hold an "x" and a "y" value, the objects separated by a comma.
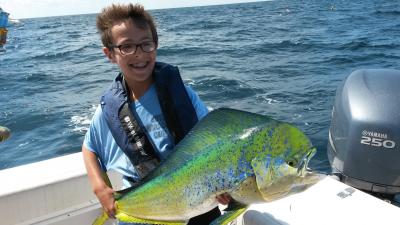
[{"x": 229, "y": 151}]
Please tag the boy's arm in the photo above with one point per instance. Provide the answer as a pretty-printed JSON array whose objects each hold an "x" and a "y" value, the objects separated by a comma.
[{"x": 99, "y": 181}]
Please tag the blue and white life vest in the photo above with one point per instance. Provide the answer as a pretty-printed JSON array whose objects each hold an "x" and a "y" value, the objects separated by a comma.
[{"x": 176, "y": 106}]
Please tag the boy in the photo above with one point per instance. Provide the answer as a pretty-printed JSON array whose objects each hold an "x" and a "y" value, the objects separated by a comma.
[{"x": 146, "y": 111}]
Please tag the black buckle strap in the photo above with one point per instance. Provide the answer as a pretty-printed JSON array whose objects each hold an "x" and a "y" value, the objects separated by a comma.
[{"x": 143, "y": 157}]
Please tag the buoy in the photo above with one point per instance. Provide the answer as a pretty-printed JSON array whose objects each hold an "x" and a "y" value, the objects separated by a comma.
[{"x": 4, "y": 133}]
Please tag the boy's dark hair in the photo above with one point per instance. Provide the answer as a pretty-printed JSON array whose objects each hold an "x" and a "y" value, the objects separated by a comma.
[{"x": 119, "y": 12}]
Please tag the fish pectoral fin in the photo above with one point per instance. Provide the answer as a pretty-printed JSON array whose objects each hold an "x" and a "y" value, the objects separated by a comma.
[
  {"x": 263, "y": 170},
  {"x": 123, "y": 217},
  {"x": 230, "y": 213}
]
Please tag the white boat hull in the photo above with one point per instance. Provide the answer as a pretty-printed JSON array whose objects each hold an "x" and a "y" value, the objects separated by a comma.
[
  {"x": 54, "y": 191},
  {"x": 57, "y": 192}
]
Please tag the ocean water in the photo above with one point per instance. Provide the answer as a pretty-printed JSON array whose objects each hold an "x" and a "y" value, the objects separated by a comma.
[{"x": 280, "y": 58}]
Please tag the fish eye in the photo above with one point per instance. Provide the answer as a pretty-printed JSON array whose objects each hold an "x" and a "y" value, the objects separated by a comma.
[{"x": 291, "y": 163}]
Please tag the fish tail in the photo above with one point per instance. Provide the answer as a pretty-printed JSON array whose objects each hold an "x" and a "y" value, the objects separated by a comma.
[{"x": 101, "y": 219}]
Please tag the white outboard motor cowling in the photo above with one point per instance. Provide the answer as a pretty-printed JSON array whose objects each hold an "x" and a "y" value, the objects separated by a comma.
[{"x": 364, "y": 136}]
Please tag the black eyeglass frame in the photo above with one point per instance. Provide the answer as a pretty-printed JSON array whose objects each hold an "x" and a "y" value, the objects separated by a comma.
[{"x": 154, "y": 47}]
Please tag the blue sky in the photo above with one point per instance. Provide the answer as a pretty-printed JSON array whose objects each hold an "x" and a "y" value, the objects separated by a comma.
[{"x": 42, "y": 8}]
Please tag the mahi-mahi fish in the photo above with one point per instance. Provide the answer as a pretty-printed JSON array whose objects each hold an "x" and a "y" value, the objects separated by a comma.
[{"x": 252, "y": 157}]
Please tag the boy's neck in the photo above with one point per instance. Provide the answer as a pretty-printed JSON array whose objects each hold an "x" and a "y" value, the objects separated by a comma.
[{"x": 137, "y": 89}]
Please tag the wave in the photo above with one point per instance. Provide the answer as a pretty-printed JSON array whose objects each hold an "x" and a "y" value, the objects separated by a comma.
[
  {"x": 388, "y": 12},
  {"x": 219, "y": 88},
  {"x": 63, "y": 53},
  {"x": 355, "y": 45},
  {"x": 79, "y": 124},
  {"x": 291, "y": 45}
]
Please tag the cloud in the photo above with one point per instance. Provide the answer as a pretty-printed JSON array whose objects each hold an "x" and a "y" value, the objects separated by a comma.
[{"x": 43, "y": 8}]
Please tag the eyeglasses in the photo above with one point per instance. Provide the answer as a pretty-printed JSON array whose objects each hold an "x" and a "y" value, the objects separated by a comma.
[{"x": 131, "y": 48}]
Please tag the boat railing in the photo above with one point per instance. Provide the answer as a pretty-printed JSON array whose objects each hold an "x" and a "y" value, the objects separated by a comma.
[{"x": 54, "y": 191}]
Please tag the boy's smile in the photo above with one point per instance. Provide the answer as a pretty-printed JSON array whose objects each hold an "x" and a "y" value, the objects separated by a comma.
[{"x": 137, "y": 67}]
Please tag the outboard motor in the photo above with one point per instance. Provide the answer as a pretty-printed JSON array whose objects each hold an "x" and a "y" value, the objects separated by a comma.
[{"x": 364, "y": 136}]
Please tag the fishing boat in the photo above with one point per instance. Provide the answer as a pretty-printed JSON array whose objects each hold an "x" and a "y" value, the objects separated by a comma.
[
  {"x": 3, "y": 27},
  {"x": 14, "y": 22},
  {"x": 363, "y": 189}
]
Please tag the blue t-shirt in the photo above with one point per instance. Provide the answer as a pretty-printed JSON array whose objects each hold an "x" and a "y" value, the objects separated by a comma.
[{"x": 99, "y": 138}]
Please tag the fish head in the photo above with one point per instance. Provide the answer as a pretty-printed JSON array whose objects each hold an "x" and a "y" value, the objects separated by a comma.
[{"x": 282, "y": 170}]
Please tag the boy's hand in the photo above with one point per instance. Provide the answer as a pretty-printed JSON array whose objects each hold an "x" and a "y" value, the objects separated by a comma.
[
  {"x": 224, "y": 198},
  {"x": 100, "y": 183},
  {"x": 106, "y": 198}
]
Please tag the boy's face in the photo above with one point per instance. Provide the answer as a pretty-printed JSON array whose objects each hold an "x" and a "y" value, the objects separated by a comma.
[{"x": 136, "y": 67}]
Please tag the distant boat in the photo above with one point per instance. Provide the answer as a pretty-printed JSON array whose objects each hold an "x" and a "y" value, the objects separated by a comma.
[
  {"x": 3, "y": 27},
  {"x": 13, "y": 21}
]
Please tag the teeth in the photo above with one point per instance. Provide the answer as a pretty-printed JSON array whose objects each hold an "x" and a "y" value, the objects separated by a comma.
[{"x": 139, "y": 65}]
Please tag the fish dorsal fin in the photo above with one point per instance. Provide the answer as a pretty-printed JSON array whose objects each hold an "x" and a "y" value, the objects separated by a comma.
[{"x": 219, "y": 125}]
